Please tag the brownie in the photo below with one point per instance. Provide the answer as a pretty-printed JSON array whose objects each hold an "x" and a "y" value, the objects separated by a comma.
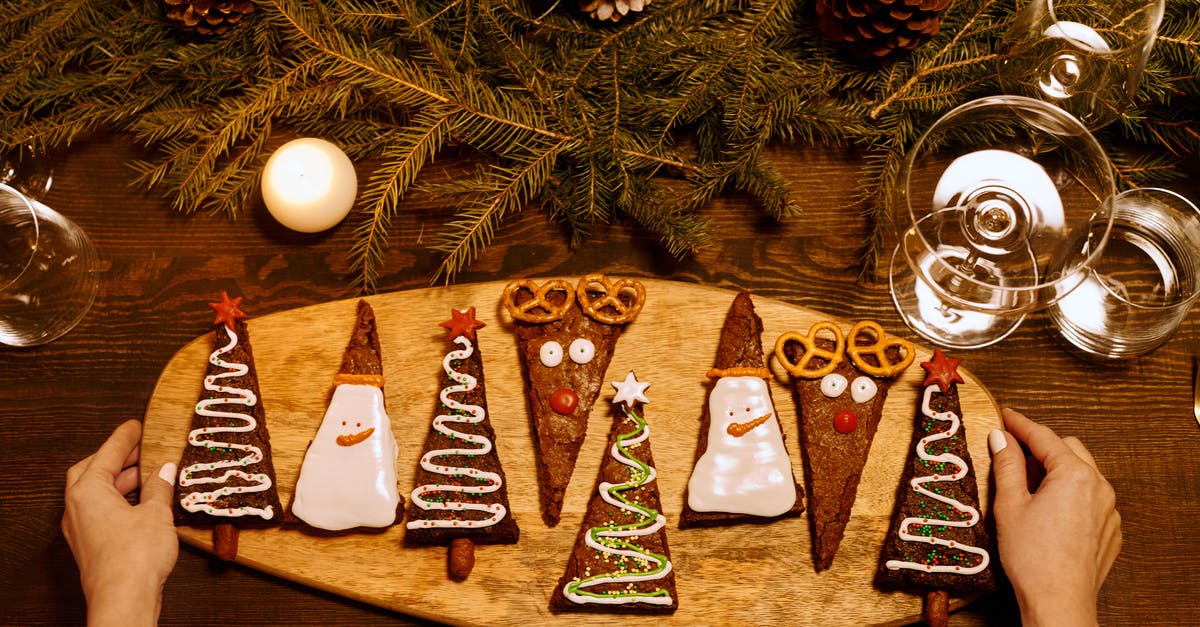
[
  {"x": 419, "y": 530},
  {"x": 739, "y": 347},
  {"x": 833, "y": 460},
  {"x": 910, "y": 503},
  {"x": 241, "y": 508},
  {"x": 586, "y": 561}
]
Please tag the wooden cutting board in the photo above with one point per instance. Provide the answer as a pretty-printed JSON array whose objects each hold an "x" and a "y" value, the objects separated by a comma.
[{"x": 742, "y": 575}]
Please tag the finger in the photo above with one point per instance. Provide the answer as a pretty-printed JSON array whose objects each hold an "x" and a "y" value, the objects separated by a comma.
[
  {"x": 76, "y": 471},
  {"x": 1008, "y": 466},
  {"x": 1079, "y": 449},
  {"x": 127, "y": 481},
  {"x": 158, "y": 489},
  {"x": 111, "y": 456},
  {"x": 1043, "y": 443},
  {"x": 132, "y": 458}
]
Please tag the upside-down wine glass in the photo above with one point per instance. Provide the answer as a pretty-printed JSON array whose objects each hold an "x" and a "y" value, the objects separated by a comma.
[
  {"x": 1086, "y": 56},
  {"x": 992, "y": 196}
]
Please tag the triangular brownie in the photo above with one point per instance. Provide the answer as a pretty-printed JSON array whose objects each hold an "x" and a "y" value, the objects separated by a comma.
[
  {"x": 461, "y": 495},
  {"x": 937, "y": 539},
  {"x": 742, "y": 471},
  {"x": 348, "y": 477},
  {"x": 565, "y": 338},
  {"x": 621, "y": 561},
  {"x": 226, "y": 476},
  {"x": 840, "y": 389}
]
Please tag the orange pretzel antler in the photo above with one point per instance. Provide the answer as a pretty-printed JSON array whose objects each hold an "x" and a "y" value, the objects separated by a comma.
[
  {"x": 880, "y": 343},
  {"x": 609, "y": 295},
  {"x": 528, "y": 311},
  {"x": 811, "y": 350}
]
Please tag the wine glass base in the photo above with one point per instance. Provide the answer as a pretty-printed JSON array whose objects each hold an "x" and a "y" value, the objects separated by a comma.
[{"x": 939, "y": 321}]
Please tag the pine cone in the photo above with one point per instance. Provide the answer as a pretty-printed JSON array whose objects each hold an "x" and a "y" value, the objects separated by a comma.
[
  {"x": 611, "y": 9},
  {"x": 206, "y": 17},
  {"x": 877, "y": 28}
]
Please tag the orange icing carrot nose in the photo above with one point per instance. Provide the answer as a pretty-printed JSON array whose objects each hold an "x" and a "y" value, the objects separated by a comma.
[
  {"x": 354, "y": 438},
  {"x": 738, "y": 429}
]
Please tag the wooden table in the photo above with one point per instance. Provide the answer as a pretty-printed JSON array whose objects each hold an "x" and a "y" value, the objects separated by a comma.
[{"x": 158, "y": 267}]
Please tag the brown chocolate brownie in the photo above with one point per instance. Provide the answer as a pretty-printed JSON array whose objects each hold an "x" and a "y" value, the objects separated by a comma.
[{"x": 586, "y": 563}]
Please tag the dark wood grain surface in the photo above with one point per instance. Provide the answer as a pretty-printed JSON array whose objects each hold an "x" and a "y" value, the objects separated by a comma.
[{"x": 159, "y": 268}]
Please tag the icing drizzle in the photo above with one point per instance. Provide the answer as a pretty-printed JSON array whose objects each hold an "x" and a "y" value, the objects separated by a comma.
[
  {"x": 918, "y": 484},
  {"x": 200, "y": 473},
  {"x": 617, "y": 539},
  {"x": 484, "y": 482}
]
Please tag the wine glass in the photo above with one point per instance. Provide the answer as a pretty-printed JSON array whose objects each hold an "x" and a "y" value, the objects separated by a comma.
[
  {"x": 998, "y": 192},
  {"x": 27, "y": 169},
  {"x": 1086, "y": 56}
]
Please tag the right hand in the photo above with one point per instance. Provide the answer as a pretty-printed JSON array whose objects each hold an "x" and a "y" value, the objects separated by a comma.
[{"x": 1058, "y": 541}]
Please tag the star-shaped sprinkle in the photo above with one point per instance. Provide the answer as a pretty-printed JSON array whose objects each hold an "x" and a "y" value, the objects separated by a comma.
[
  {"x": 462, "y": 323},
  {"x": 941, "y": 370},
  {"x": 630, "y": 390},
  {"x": 227, "y": 310}
]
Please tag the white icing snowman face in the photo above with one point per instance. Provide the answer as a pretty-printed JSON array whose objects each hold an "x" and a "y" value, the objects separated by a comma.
[{"x": 741, "y": 409}]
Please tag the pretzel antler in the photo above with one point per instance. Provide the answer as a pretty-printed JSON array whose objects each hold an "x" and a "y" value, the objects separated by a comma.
[
  {"x": 614, "y": 302},
  {"x": 539, "y": 308},
  {"x": 880, "y": 343},
  {"x": 800, "y": 368}
]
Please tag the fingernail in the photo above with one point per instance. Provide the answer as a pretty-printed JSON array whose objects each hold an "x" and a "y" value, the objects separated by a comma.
[
  {"x": 167, "y": 473},
  {"x": 997, "y": 441}
]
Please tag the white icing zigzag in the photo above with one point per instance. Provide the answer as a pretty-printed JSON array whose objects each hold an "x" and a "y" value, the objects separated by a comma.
[
  {"x": 918, "y": 484},
  {"x": 201, "y": 501},
  {"x": 487, "y": 481}
]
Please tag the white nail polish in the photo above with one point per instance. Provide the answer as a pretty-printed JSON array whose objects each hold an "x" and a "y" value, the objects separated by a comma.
[
  {"x": 167, "y": 473},
  {"x": 997, "y": 441}
]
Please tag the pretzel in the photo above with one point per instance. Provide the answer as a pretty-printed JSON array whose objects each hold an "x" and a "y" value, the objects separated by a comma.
[
  {"x": 879, "y": 349},
  {"x": 610, "y": 296},
  {"x": 811, "y": 350},
  {"x": 527, "y": 311}
]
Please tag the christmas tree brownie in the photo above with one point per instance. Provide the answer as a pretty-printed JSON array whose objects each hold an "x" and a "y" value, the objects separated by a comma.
[
  {"x": 742, "y": 471},
  {"x": 565, "y": 338},
  {"x": 348, "y": 477},
  {"x": 461, "y": 498},
  {"x": 840, "y": 388},
  {"x": 226, "y": 477},
  {"x": 937, "y": 541},
  {"x": 621, "y": 561}
]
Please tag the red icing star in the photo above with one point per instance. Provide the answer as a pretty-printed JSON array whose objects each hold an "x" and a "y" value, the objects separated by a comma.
[
  {"x": 227, "y": 310},
  {"x": 462, "y": 323},
  {"x": 942, "y": 371}
]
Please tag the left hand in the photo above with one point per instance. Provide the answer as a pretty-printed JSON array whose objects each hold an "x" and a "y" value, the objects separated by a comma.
[{"x": 125, "y": 552}]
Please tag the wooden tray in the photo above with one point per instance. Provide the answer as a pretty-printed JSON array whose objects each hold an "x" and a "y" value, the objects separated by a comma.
[{"x": 750, "y": 574}]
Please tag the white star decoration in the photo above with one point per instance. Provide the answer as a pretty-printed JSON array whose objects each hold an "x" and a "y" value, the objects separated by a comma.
[{"x": 630, "y": 390}]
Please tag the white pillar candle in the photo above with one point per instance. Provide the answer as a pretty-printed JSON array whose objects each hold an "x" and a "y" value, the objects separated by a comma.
[{"x": 309, "y": 185}]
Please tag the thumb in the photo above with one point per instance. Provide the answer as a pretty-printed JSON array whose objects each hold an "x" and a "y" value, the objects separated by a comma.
[
  {"x": 158, "y": 489},
  {"x": 1008, "y": 466}
]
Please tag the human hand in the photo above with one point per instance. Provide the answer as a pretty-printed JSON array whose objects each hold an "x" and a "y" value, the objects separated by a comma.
[
  {"x": 124, "y": 552},
  {"x": 1058, "y": 542}
]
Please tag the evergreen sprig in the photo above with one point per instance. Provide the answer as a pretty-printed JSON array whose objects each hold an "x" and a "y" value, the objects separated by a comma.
[{"x": 643, "y": 121}]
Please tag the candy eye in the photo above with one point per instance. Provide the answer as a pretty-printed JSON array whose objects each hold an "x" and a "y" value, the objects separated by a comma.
[
  {"x": 832, "y": 385},
  {"x": 551, "y": 354},
  {"x": 582, "y": 351},
  {"x": 863, "y": 389}
]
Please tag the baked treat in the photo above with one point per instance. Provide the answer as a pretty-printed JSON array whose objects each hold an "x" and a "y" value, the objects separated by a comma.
[
  {"x": 742, "y": 471},
  {"x": 461, "y": 495},
  {"x": 348, "y": 477},
  {"x": 621, "y": 561},
  {"x": 840, "y": 388},
  {"x": 226, "y": 477},
  {"x": 566, "y": 336},
  {"x": 937, "y": 540}
]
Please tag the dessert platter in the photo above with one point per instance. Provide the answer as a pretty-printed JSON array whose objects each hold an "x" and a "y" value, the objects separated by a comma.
[{"x": 537, "y": 443}]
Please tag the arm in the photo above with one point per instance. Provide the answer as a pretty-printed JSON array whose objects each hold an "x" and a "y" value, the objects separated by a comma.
[
  {"x": 124, "y": 552},
  {"x": 1058, "y": 542}
]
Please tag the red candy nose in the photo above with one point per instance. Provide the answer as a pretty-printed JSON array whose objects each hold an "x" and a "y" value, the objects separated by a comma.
[
  {"x": 564, "y": 401},
  {"x": 845, "y": 421}
]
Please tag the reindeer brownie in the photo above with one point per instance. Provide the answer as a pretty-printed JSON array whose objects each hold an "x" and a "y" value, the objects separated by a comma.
[
  {"x": 840, "y": 387},
  {"x": 565, "y": 337}
]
